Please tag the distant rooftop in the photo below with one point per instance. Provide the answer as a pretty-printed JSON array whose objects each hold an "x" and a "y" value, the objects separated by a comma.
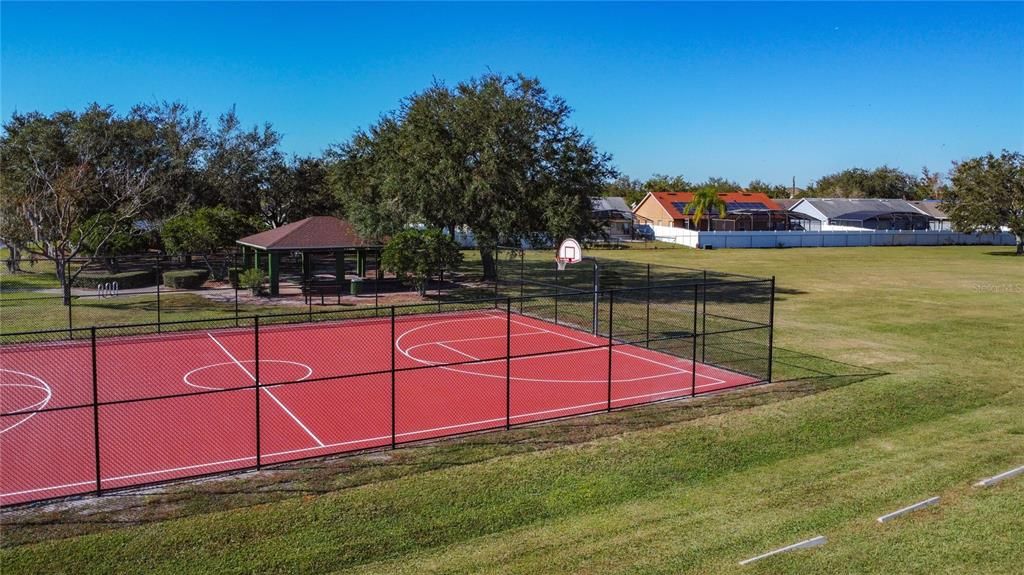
[
  {"x": 932, "y": 208},
  {"x": 839, "y": 208}
]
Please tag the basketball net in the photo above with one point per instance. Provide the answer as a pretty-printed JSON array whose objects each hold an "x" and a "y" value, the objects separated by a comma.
[{"x": 561, "y": 262}]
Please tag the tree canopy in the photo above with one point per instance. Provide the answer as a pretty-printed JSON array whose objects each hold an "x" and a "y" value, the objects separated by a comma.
[
  {"x": 76, "y": 180},
  {"x": 494, "y": 154},
  {"x": 884, "y": 182},
  {"x": 420, "y": 255},
  {"x": 987, "y": 193}
]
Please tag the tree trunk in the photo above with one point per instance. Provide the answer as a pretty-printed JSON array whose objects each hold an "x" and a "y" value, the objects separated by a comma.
[
  {"x": 61, "y": 266},
  {"x": 1020, "y": 245},
  {"x": 490, "y": 267}
]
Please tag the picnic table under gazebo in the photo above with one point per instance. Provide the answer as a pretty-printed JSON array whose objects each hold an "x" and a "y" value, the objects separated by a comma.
[{"x": 311, "y": 237}]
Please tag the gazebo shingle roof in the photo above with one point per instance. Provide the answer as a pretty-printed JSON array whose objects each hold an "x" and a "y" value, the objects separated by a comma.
[{"x": 315, "y": 233}]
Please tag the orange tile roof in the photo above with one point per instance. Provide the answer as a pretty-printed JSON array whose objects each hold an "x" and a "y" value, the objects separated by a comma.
[{"x": 666, "y": 199}]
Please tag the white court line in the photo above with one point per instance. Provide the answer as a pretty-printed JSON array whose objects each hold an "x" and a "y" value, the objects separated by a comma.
[
  {"x": 626, "y": 353},
  {"x": 480, "y": 339},
  {"x": 462, "y": 353},
  {"x": 272, "y": 396},
  {"x": 341, "y": 443},
  {"x": 40, "y": 404},
  {"x": 676, "y": 370}
]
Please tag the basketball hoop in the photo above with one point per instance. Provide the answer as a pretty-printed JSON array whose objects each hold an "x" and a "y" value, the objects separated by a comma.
[{"x": 569, "y": 252}]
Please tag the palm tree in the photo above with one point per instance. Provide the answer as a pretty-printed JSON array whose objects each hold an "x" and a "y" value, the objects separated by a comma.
[{"x": 705, "y": 200}]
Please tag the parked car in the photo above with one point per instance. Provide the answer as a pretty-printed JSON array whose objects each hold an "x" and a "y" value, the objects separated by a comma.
[{"x": 643, "y": 232}]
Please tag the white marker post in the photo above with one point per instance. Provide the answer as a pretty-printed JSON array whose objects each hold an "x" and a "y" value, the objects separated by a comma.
[
  {"x": 910, "y": 508},
  {"x": 1002, "y": 476},
  {"x": 809, "y": 543}
]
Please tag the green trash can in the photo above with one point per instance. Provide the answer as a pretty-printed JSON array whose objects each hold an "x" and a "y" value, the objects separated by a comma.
[{"x": 354, "y": 286}]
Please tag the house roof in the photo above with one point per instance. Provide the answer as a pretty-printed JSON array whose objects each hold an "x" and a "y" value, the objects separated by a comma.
[
  {"x": 786, "y": 203},
  {"x": 315, "y": 233},
  {"x": 675, "y": 202},
  {"x": 865, "y": 215},
  {"x": 932, "y": 208},
  {"x": 611, "y": 207},
  {"x": 609, "y": 204},
  {"x": 842, "y": 208}
]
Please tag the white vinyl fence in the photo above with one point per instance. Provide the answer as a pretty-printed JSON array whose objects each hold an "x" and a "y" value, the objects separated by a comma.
[{"x": 831, "y": 238}]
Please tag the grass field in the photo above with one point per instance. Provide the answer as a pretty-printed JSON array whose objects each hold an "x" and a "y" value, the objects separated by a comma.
[{"x": 933, "y": 400}]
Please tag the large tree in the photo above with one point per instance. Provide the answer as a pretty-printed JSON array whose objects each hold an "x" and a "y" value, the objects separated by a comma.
[
  {"x": 239, "y": 166},
  {"x": 665, "y": 183},
  {"x": 182, "y": 139},
  {"x": 296, "y": 190},
  {"x": 61, "y": 171},
  {"x": 494, "y": 154},
  {"x": 770, "y": 190},
  {"x": 884, "y": 182},
  {"x": 987, "y": 193}
]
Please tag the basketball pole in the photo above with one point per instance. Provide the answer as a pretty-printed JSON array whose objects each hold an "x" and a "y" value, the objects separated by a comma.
[{"x": 597, "y": 290}]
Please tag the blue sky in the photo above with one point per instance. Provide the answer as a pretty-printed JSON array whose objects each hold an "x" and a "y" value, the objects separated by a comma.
[{"x": 742, "y": 91}]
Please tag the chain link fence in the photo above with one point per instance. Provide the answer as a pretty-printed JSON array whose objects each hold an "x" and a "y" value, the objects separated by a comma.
[{"x": 90, "y": 409}]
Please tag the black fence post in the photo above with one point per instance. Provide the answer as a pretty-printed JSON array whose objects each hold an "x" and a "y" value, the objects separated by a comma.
[
  {"x": 237, "y": 283},
  {"x": 693, "y": 363},
  {"x": 647, "y": 328},
  {"x": 771, "y": 329},
  {"x": 557, "y": 292},
  {"x": 394, "y": 436},
  {"x": 508, "y": 363},
  {"x": 376, "y": 289},
  {"x": 611, "y": 322},
  {"x": 95, "y": 412},
  {"x": 256, "y": 377},
  {"x": 71, "y": 300},
  {"x": 158, "y": 315},
  {"x": 703, "y": 321},
  {"x": 497, "y": 263},
  {"x": 522, "y": 278}
]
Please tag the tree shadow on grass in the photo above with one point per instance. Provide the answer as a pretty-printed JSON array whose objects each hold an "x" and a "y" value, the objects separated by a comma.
[
  {"x": 1012, "y": 252},
  {"x": 798, "y": 374}
]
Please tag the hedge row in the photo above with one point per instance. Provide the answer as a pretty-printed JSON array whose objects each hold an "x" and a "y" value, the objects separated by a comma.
[
  {"x": 186, "y": 279},
  {"x": 125, "y": 280}
]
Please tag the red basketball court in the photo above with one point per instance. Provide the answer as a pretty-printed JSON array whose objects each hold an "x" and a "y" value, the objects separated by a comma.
[{"x": 324, "y": 388}]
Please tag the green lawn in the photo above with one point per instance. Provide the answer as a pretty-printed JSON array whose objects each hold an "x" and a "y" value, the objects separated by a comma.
[{"x": 690, "y": 486}]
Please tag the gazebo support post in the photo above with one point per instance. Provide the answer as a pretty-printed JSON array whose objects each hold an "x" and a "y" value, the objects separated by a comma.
[
  {"x": 307, "y": 269},
  {"x": 274, "y": 271},
  {"x": 360, "y": 262},
  {"x": 339, "y": 266}
]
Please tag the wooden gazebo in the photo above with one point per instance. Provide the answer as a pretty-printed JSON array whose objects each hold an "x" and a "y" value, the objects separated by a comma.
[{"x": 315, "y": 235}]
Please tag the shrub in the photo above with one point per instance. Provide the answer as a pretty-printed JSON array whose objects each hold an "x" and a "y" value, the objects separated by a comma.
[
  {"x": 186, "y": 279},
  {"x": 251, "y": 279},
  {"x": 125, "y": 280},
  {"x": 233, "y": 274}
]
